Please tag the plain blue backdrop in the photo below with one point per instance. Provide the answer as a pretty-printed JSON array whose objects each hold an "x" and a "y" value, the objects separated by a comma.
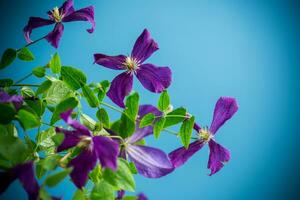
[{"x": 245, "y": 49}]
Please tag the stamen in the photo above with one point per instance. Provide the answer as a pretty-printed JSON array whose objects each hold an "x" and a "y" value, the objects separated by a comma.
[
  {"x": 205, "y": 134},
  {"x": 56, "y": 15},
  {"x": 131, "y": 64}
]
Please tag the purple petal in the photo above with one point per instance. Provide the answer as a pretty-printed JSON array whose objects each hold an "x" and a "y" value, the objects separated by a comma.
[
  {"x": 224, "y": 110},
  {"x": 112, "y": 62},
  {"x": 54, "y": 37},
  {"x": 140, "y": 133},
  {"x": 66, "y": 116},
  {"x": 82, "y": 165},
  {"x": 17, "y": 100},
  {"x": 179, "y": 156},
  {"x": 144, "y": 47},
  {"x": 147, "y": 108},
  {"x": 6, "y": 178},
  {"x": 120, "y": 87},
  {"x": 71, "y": 139},
  {"x": 121, "y": 194},
  {"x": 84, "y": 14},
  {"x": 217, "y": 156},
  {"x": 141, "y": 196},
  {"x": 107, "y": 151},
  {"x": 33, "y": 23},
  {"x": 25, "y": 174},
  {"x": 150, "y": 162},
  {"x": 155, "y": 79},
  {"x": 67, "y": 8},
  {"x": 197, "y": 127}
]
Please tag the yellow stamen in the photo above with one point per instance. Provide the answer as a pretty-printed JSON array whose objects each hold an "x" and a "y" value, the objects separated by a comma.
[
  {"x": 131, "y": 63},
  {"x": 205, "y": 134},
  {"x": 56, "y": 15}
]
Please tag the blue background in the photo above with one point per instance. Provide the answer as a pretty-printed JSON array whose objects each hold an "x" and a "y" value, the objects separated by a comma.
[{"x": 245, "y": 49}]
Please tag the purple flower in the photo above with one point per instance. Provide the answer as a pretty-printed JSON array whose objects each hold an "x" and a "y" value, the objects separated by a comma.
[
  {"x": 121, "y": 194},
  {"x": 156, "y": 79},
  {"x": 94, "y": 148},
  {"x": 224, "y": 110},
  {"x": 25, "y": 173},
  {"x": 66, "y": 13},
  {"x": 16, "y": 100},
  {"x": 150, "y": 162}
]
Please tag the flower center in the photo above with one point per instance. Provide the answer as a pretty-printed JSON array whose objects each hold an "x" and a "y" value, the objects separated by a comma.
[
  {"x": 85, "y": 141},
  {"x": 131, "y": 63},
  {"x": 205, "y": 134},
  {"x": 56, "y": 15}
]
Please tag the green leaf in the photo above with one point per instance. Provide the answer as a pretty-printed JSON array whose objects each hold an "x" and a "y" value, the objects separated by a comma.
[
  {"x": 55, "y": 64},
  {"x": 164, "y": 101},
  {"x": 127, "y": 126},
  {"x": 79, "y": 195},
  {"x": 44, "y": 195},
  {"x": 132, "y": 105},
  {"x": 121, "y": 179},
  {"x": 103, "y": 117},
  {"x": 90, "y": 96},
  {"x": 45, "y": 142},
  {"x": 74, "y": 78},
  {"x": 96, "y": 174},
  {"x": 37, "y": 105},
  {"x": 88, "y": 121},
  {"x": 8, "y": 112},
  {"x": 39, "y": 170},
  {"x": 27, "y": 92},
  {"x": 13, "y": 149},
  {"x": 44, "y": 87},
  {"x": 57, "y": 92},
  {"x": 170, "y": 121},
  {"x": 147, "y": 120},
  {"x": 132, "y": 168},
  {"x": 66, "y": 104},
  {"x": 58, "y": 138},
  {"x": 28, "y": 119},
  {"x": 102, "y": 191},
  {"x": 102, "y": 89},
  {"x": 25, "y": 54},
  {"x": 50, "y": 162},
  {"x": 186, "y": 130},
  {"x": 130, "y": 198},
  {"x": 8, "y": 130},
  {"x": 39, "y": 72},
  {"x": 158, "y": 127},
  {"x": 54, "y": 179},
  {"x": 6, "y": 82},
  {"x": 8, "y": 57}
]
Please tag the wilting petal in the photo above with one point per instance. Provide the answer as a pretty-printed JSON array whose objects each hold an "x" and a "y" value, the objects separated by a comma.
[
  {"x": 155, "y": 79},
  {"x": 84, "y": 14},
  {"x": 120, "y": 88},
  {"x": 67, "y": 8},
  {"x": 25, "y": 174},
  {"x": 71, "y": 139},
  {"x": 54, "y": 37},
  {"x": 150, "y": 162},
  {"x": 144, "y": 47},
  {"x": 112, "y": 62},
  {"x": 147, "y": 108},
  {"x": 17, "y": 100},
  {"x": 66, "y": 116},
  {"x": 6, "y": 178},
  {"x": 197, "y": 127},
  {"x": 217, "y": 156},
  {"x": 107, "y": 151},
  {"x": 141, "y": 196},
  {"x": 82, "y": 165},
  {"x": 224, "y": 110},
  {"x": 33, "y": 23},
  {"x": 179, "y": 156}
]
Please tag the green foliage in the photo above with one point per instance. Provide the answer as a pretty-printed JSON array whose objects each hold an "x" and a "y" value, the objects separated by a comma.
[
  {"x": 158, "y": 127},
  {"x": 147, "y": 120},
  {"x": 25, "y": 54},
  {"x": 96, "y": 174},
  {"x": 64, "y": 105},
  {"x": 132, "y": 106},
  {"x": 27, "y": 92},
  {"x": 186, "y": 130},
  {"x": 171, "y": 121},
  {"x": 39, "y": 72},
  {"x": 57, "y": 92},
  {"x": 79, "y": 195},
  {"x": 122, "y": 179},
  {"x": 28, "y": 119},
  {"x": 7, "y": 111},
  {"x": 73, "y": 77},
  {"x": 55, "y": 63},
  {"x": 8, "y": 58},
  {"x": 102, "y": 89},
  {"x": 37, "y": 105},
  {"x": 90, "y": 96},
  {"x": 87, "y": 121},
  {"x": 164, "y": 101},
  {"x": 43, "y": 88},
  {"x": 103, "y": 117},
  {"x": 6, "y": 82},
  {"x": 45, "y": 142},
  {"x": 102, "y": 191},
  {"x": 54, "y": 179}
]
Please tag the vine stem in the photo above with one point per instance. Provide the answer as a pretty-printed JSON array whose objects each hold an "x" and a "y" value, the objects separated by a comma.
[
  {"x": 169, "y": 116},
  {"x": 24, "y": 78},
  {"x": 112, "y": 107},
  {"x": 31, "y": 85},
  {"x": 33, "y": 42},
  {"x": 45, "y": 123}
]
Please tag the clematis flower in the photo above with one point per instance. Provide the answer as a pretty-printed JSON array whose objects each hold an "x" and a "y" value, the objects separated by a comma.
[
  {"x": 16, "y": 100},
  {"x": 155, "y": 79},
  {"x": 94, "y": 148},
  {"x": 150, "y": 162},
  {"x": 225, "y": 108},
  {"x": 121, "y": 194},
  {"x": 66, "y": 13}
]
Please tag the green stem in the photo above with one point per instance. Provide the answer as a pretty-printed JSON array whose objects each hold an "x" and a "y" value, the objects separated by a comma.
[
  {"x": 179, "y": 116},
  {"x": 45, "y": 123},
  {"x": 25, "y": 77},
  {"x": 112, "y": 107},
  {"x": 33, "y": 42},
  {"x": 171, "y": 132},
  {"x": 31, "y": 85}
]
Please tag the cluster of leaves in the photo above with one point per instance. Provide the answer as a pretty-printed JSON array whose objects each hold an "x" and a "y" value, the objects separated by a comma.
[{"x": 63, "y": 88}]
